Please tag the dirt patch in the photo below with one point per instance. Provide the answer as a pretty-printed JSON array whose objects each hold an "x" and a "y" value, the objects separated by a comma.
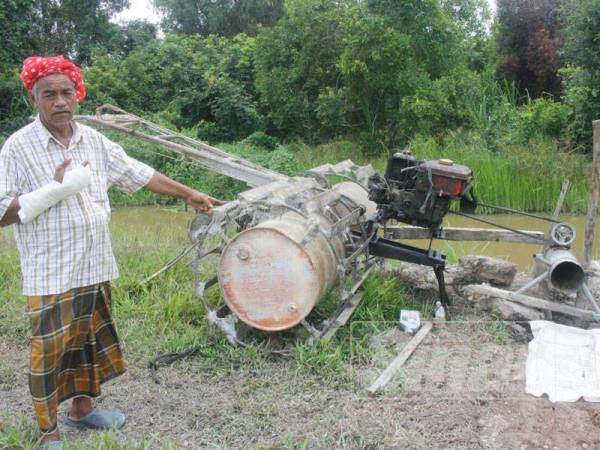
[{"x": 462, "y": 389}]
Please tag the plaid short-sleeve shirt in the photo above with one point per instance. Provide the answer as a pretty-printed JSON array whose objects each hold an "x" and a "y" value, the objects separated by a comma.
[{"x": 68, "y": 245}]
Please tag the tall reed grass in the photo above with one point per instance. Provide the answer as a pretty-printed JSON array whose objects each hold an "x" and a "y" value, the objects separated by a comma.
[
  {"x": 523, "y": 178},
  {"x": 527, "y": 176}
]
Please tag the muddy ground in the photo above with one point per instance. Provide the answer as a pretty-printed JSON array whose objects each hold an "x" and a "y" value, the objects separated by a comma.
[{"x": 462, "y": 389}]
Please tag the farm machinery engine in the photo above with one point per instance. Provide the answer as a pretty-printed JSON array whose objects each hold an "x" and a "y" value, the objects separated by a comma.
[
  {"x": 417, "y": 193},
  {"x": 293, "y": 240}
]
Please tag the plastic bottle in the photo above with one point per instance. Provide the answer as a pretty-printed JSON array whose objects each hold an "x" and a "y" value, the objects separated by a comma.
[
  {"x": 410, "y": 321},
  {"x": 440, "y": 313}
]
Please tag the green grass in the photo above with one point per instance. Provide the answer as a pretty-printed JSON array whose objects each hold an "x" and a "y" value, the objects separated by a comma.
[
  {"x": 525, "y": 175},
  {"x": 22, "y": 435},
  {"x": 163, "y": 316},
  {"x": 497, "y": 330}
]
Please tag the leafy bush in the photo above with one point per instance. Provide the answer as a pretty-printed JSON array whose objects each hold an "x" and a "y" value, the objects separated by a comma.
[
  {"x": 209, "y": 132},
  {"x": 582, "y": 96},
  {"x": 330, "y": 111},
  {"x": 581, "y": 74},
  {"x": 14, "y": 108},
  {"x": 206, "y": 83},
  {"x": 295, "y": 60},
  {"x": 283, "y": 161},
  {"x": 262, "y": 140},
  {"x": 542, "y": 118}
]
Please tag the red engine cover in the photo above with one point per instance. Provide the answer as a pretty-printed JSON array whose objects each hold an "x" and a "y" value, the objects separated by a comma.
[{"x": 449, "y": 178}]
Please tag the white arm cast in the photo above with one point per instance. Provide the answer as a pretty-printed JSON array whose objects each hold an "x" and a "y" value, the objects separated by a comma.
[{"x": 36, "y": 202}]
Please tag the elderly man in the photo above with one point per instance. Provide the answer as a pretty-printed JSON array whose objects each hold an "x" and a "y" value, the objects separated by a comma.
[{"x": 54, "y": 176}]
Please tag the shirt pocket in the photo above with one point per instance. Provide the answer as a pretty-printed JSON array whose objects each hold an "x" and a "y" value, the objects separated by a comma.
[{"x": 98, "y": 191}]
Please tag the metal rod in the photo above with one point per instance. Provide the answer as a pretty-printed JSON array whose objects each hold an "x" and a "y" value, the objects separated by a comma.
[
  {"x": 590, "y": 297},
  {"x": 533, "y": 282},
  {"x": 128, "y": 118},
  {"x": 178, "y": 258},
  {"x": 210, "y": 157}
]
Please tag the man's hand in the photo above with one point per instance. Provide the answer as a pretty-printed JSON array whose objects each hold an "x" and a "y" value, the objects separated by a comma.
[
  {"x": 202, "y": 202},
  {"x": 59, "y": 172},
  {"x": 161, "y": 184}
]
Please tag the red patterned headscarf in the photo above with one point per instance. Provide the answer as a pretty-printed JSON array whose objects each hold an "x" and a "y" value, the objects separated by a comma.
[{"x": 36, "y": 67}]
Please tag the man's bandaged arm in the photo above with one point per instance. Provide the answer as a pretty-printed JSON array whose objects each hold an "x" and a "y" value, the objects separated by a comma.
[{"x": 35, "y": 203}]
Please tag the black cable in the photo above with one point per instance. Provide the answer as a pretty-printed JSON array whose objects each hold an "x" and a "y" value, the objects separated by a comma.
[
  {"x": 166, "y": 359},
  {"x": 514, "y": 211},
  {"x": 542, "y": 240}
]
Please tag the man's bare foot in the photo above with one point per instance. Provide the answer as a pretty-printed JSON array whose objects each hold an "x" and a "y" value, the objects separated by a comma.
[
  {"x": 54, "y": 436},
  {"x": 80, "y": 407}
]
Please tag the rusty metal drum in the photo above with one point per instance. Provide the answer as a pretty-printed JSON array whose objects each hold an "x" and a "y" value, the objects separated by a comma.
[{"x": 272, "y": 275}]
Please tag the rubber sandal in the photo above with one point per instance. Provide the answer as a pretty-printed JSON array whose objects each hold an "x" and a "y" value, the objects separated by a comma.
[
  {"x": 98, "y": 419},
  {"x": 50, "y": 445}
]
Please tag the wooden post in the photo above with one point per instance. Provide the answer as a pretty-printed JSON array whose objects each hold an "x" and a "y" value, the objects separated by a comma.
[
  {"x": 482, "y": 290},
  {"x": 593, "y": 200},
  {"x": 466, "y": 234},
  {"x": 561, "y": 198}
]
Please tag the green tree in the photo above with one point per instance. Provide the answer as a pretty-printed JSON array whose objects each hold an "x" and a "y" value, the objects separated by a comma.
[
  {"x": 104, "y": 81},
  {"x": 528, "y": 42},
  {"x": 473, "y": 18},
  {"x": 204, "y": 83},
  {"x": 130, "y": 35},
  {"x": 18, "y": 41},
  {"x": 73, "y": 27},
  {"x": 433, "y": 33},
  {"x": 226, "y": 17},
  {"x": 388, "y": 66},
  {"x": 581, "y": 75},
  {"x": 297, "y": 63},
  {"x": 18, "y": 38},
  {"x": 379, "y": 68}
]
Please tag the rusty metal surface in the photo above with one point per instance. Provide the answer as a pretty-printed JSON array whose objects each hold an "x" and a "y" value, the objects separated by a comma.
[
  {"x": 269, "y": 280},
  {"x": 273, "y": 274},
  {"x": 117, "y": 119},
  {"x": 358, "y": 195}
]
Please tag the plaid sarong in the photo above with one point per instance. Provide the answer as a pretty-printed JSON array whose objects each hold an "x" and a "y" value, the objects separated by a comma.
[{"x": 74, "y": 348}]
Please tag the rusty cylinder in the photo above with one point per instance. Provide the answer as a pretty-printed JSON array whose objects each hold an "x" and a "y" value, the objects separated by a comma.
[{"x": 273, "y": 275}]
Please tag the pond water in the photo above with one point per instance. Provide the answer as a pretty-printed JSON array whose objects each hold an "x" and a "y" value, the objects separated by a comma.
[
  {"x": 158, "y": 220},
  {"x": 519, "y": 254},
  {"x": 171, "y": 224}
]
